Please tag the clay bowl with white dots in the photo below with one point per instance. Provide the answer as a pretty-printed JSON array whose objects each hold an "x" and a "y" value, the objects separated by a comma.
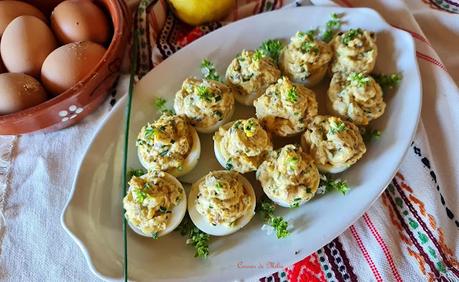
[{"x": 74, "y": 104}]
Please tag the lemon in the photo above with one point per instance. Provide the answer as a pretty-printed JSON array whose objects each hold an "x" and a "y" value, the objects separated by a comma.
[{"x": 197, "y": 12}]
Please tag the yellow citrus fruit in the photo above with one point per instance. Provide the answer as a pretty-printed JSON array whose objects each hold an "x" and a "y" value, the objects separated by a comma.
[{"x": 197, "y": 12}]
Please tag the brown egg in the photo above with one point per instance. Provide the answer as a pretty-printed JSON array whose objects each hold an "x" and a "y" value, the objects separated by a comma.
[
  {"x": 26, "y": 43},
  {"x": 74, "y": 21},
  {"x": 18, "y": 92},
  {"x": 68, "y": 64},
  {"x": 9, "y": 10}
]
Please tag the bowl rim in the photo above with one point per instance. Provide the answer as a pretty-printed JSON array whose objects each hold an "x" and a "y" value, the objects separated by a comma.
[{"x": 120, "y": 13}]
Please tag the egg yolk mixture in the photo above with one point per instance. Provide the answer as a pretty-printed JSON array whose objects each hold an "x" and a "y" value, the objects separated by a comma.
[
  {"x": 165, "y": 143},
  {"x": 243, "y": 145},
  {"x": 355, "y": 51},
  {"x": 289, "y": 175},
  {"x": 305, "y": 56},
  {"x": 204, "y": 102},
  {"x": 286, "y": 107},
  {"x": 357, "y": 97},
  {"x": 222, "y": 198},
  {"x": 150, "y": 200},
  {"x": 251, "y": 73},
  {"x": 333, "y": 142}
]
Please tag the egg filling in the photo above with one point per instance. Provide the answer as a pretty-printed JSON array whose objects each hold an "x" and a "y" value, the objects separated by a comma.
[
  {"x": 357, "y": 97},
  {"x": 355, "y": 51},
  {"x": 333, "y": 143},
  {"x": 222, "y": 199},
  {"x": 204, "y": 102},
  {"x": 165, "y": 143},
  {"x": 286, "y": 107},
  {"x": 150, "y": 200},
  {"x": 250, "y": 74},
  {"x": 289, "y": 176},
  {"x": 305, "y": 59},
  {"x": 243, "y": 145}
]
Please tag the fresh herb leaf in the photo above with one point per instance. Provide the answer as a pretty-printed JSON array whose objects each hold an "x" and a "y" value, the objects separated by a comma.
[
  {"x": 309, "y": 47},
  {"x": 204, "y": 93},
  {"x": 195, "y": 237},
  {"x": 371, "y": 134},
  {"x": 160, "y": 103},
  {"x": 336, "y": 127},
  {"x": 266, "y": 209},
  {"x": 296, "y": 203},
  {"x": 257, "y": 55},
  {"x": 135, "y": 172},
  {"x": 208, "y": 70},
  {"x": 229, "y": 166},
  {"x": 332, "y": 26},
  {"x": 292, "y": 95},
  {"x": 388, "y": 81},
  {"x": 292, "y": 163},
  {"x": 140, "y": 196},
  {"x": 219, "y": 186},
  {"x": 150, "y": 131},
  {"x": 358, "y": 79},
  {"x": 350, "y": 35},
  {"x": 327, "y": 184},
  {"x": 271, "y": 48},
  {"x": 154, "y": 235}
]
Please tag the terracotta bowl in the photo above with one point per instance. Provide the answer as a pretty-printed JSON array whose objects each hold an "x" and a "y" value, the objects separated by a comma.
[{"x": 76, "y": 103}]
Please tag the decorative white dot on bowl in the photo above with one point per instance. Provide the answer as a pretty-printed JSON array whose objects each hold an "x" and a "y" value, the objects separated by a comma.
[{"x": 71, "y": 113}]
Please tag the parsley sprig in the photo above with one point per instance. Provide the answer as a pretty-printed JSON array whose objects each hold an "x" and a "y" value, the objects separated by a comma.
[
  {"x": 195, "y": 237},
  {"x": 350, "y": 35},
  {"x": 360, "y": 79},
  {"x": 208, "y": 70},
  {"x": 328, "y": 184},
  {"x": 292, "y": 95},
  {"x": 388, "y": 81},
  {"x": 332, "y": 26},
  {"x": 160, "y": 105},
  {"x": 266, "y": 208},
  {"x": 271, "y": 48},
  {"x": 204, "y": 93}
]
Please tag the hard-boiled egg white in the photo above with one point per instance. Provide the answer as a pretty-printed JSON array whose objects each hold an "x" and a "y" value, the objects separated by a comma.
[
  {"x": 215, "y": 127},
  {"x": 220, "y": 230},
  {"x": 217, "y": 143},
  {"x": 177, "y": 214}
]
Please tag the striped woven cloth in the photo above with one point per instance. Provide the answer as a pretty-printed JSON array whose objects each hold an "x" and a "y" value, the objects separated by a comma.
[{"x": 411, "y": 232}]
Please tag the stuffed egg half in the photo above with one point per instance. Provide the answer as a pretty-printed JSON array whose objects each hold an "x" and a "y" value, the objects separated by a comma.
[
  {"x": 169, "y": 144},
  {"x": 221, "y": 202},
  {"x": 155, "y": 204}
]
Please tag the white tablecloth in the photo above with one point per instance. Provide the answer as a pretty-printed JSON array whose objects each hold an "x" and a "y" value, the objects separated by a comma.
[{"x": 36, "y": 171}]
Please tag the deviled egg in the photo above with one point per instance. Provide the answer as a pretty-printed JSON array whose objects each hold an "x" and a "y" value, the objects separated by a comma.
[
  {"x": 169, "y": 144},
  {"x": 250, "y": 73},
  {"x": 333, "y": 143},
  {"x": 241, "y": 145},
  {"x": 155, "y": 204},
  {"x": 354, "y": 51},
  {"x": 208, "y": 104},
  {"x": 356, "y": 97},
  {"x": 289, "y": 176},
  {"x": 305, "y": 59},
  {"x": 221, "y": 202},
  {"x": 286, "y": 107}
]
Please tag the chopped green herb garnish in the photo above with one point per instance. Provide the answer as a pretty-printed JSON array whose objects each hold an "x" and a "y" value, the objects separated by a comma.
[
  {"x": 337, "y": 127},
  {"x": 229, "y": 166},
  {"x": 208, "y": 70},
  {"x": 309, "y": 47},
  {"x": 154, "y": 235},
  {"x": 140, "y": 196},
  {"x": 164, "y": 153},
  {"x": 331, "y": 27},
  {"x": 296, "y": 203},
  {"x": 249, "y": 128},
  {"x": 329, "y": 184},
  {"x": 350, "y": 35},
  {"x": 388, "y": 81},
  {"x": 271, "y": 48},
  {"x": 218, "y": 186},
  {"x": 195, "y": 237},
  {"x": 292, "y": 163},
  {"x": 371, "y": 134},
  {"x": 204, "y": 93},
  {"x": 359, "y": 79},
  {"x": 219, "y": 115},
  {"x": 150, "y": 131},
  {"x": 267, "y": 208},
  {"x": 292, "y": 95}
]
